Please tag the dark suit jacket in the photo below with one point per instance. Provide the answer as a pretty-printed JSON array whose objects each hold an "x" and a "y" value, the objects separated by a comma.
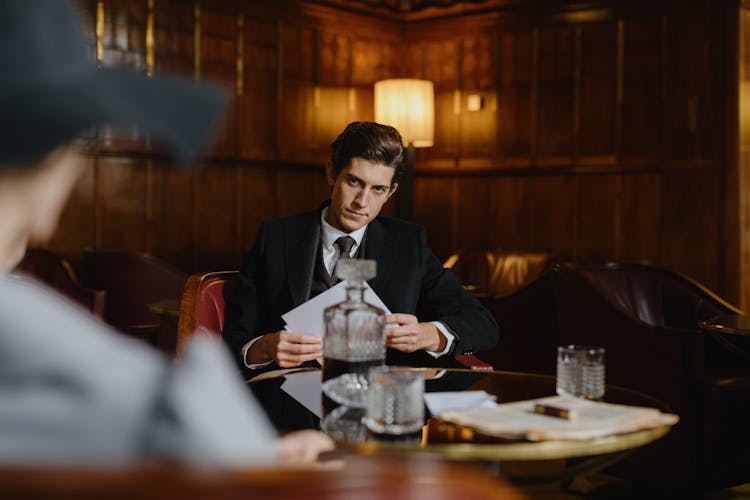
[{"x": 277, "y": 277}]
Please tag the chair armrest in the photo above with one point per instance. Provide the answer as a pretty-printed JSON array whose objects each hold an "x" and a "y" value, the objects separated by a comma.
[{"x": 471, "y": 361}]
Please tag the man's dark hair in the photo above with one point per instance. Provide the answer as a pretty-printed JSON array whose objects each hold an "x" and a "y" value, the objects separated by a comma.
[{"x": 370, "y": 141}]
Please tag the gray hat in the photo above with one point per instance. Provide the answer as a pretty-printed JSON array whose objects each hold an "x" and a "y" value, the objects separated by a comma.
[{"x": 51, "y": 91}]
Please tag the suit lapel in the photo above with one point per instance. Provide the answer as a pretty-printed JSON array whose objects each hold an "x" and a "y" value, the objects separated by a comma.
[
  {"x": 302, "y": 238},
  {"x": 381, "y": 246}
]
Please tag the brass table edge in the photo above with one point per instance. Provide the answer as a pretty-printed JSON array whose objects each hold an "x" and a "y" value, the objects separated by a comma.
[{"x": 521, "y": 451}]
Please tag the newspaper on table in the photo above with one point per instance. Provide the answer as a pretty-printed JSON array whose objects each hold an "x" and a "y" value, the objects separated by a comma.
[{"x": 593, "y": 419}]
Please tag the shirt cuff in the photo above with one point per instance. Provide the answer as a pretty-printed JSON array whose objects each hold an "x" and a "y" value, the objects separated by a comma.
[
  {"x": 449, "y": 337},
  {"x": 243, "y": 352}
]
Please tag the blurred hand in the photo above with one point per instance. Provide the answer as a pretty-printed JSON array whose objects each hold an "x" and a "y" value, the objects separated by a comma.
[
  {"x": 304, "y": 447},
  {"x": 405, "y": 333}
]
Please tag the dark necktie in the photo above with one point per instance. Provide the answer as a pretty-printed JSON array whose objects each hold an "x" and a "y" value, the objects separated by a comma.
[{"x": 344, "y": 244}]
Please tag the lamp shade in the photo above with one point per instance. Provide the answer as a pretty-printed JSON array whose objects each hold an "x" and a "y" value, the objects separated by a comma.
[{"x": 409, "y": 106}]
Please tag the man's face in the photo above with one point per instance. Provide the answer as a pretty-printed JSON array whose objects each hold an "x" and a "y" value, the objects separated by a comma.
[
  {"x": 35, "y": 199},
  {"x": 359, "y": 193}
]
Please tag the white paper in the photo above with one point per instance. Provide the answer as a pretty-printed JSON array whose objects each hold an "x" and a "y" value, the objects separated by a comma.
[
  {"x": 306, "y": 388},
  {"x": 439, "y": 402},
  {"x": 307, "y": 318},
  {"x": 593, "y": 420}
]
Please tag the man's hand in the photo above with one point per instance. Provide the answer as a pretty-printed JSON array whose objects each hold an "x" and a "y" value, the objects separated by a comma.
[
  {"x": 304, "y": 447},
  {"x": 406, "y": 334},
  {"x": 286, "y": 348}
]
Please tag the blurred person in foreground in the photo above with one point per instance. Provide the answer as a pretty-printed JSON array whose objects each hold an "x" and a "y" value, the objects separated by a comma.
[{"x": 72, "y": 390}]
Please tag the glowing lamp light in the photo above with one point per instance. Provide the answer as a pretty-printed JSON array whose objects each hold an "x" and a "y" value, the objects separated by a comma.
[{"x": 408, "y": 105}]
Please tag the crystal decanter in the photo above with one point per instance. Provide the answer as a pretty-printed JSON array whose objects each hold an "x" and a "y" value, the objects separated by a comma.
[{"x": 354, "y": 338}]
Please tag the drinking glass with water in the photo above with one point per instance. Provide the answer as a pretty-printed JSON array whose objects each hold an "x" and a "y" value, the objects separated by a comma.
[{"x": 580, "y": 371}]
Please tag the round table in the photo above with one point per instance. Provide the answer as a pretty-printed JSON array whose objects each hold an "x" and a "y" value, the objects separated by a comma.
[{"x": 506, "y": 387}]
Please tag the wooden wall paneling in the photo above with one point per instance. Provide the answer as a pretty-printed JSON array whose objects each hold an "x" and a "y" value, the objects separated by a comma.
[
  {"x": 710, "y": 114},
  {"x": 296, "y": 122},
  {"x": 735, "y": 197},
  {"x": 332, "y": 113},
  {"x": 441, "y": 66},
  {"x": 124, "y": 37},
  {"x": 369, "y": 61},
  {"x": 641, "y": 216},
  {"x": 170, "y": 229},
  {"x": 642, "y": 90},
  {"x": 515, "y": 97},
  {"x": 173, "y": 38},
  {"x": 123, "y": 44},
  {"x": 694, "y": 129},
  {"x": 219, "y": 64},
  {"x": 477, "y": 62},
  {"x": 215, "y": 192},
  {"x": 474, "y": 212},
  {"x": 77, "y": 218},
  {"x": 478, "y": 127},
  {"x": 690, "y": 231},
  {"x": 257, "y": 203},
  {"x": 88, "y": 14},
  {"x": 444, "y": 152},
  {"x": 362, "y": 104},
  {"x": 121, "y": 202},
  {"x": 331, "y": 94},
  {"x": 555, "y": 227},
  {"x": 321, "y": 191},
  {"x": 395, "y": 60},
  {"x": 512, "y": 209},
  {"x": 555, "y": 107},
  {"x": 296, "y": 114},
  {"x": 598, "y": 217},
  {"x": 298, "y": 190},
  {"x": 441, "y": 63},
  {"x": 598, "y": 93},
  {"x": 414, "y": 64},
  {"x": 257, "y": 106},
  {"x": 434, "y": 207}
]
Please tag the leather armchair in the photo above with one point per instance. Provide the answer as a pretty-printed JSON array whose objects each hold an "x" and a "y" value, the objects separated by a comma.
[
  {"x": 647, "y": 317},
  {"x": 202, "y": 304},
  {"x": 496, "y": 273},
  {"x": 648, "y": 320},
  {"x": 132, "y": 282},
  {"x": 54, "y": 270}
]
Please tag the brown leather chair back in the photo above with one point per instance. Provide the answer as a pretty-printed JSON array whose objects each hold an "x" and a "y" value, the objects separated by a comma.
[
  {"x": 202, "y": 305},
  {"x": 647, "y": 318},
  {"x": 653, "y": 294},
  {"x": 56, "y": 271},
  {"x": 133, "y": 281},
  {"x": 495, "y": 273}
]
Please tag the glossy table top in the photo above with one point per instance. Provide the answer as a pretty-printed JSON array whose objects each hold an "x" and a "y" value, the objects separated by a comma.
[{"x": 451, "y": 442}]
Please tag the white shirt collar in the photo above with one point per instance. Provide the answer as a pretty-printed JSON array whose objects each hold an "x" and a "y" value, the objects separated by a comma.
[{"x": 330, "y": 234}]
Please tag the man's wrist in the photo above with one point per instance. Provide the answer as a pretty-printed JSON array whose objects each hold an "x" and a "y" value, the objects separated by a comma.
[
  {"x": 447, "y": 341},
  {"x": 442, "y": 342},
  {"x": 258, "y": 352},
  {"x": 436, "y": 340}
]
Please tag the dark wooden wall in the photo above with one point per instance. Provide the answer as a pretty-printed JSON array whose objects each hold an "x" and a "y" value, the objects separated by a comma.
[{"x": 602, "y": 134}]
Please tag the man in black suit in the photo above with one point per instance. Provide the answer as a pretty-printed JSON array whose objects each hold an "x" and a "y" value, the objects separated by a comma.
[{"x": 293, "y": 260}]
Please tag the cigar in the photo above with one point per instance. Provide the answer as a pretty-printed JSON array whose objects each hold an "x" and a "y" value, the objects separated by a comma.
[{"x": 554, "y": 411}]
